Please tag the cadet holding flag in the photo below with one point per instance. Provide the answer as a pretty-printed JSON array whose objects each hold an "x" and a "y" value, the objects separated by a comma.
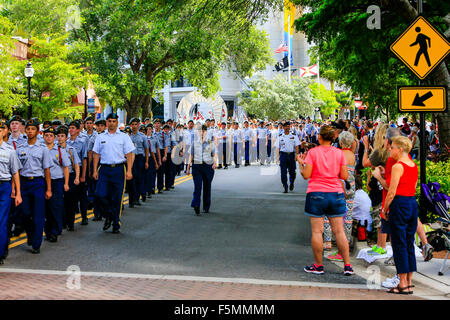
[
  {"x": 59, "y": 172},
  {"x": 9, "y": 170},
  {"x": 111, "y": 148},
  {"x": 36, "y": 164}
]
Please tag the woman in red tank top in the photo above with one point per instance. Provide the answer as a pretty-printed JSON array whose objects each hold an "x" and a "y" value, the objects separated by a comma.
[{"x": 400, "y": 209}]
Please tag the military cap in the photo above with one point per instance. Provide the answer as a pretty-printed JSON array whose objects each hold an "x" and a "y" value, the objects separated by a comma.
[
  {"x": 157, "y": 120},
  {"x": 127, "y": 129},
  {"x": 112, "y": 115},
  {"x": 149, "y": 125},
  {"x": 16, "y": 118},
  {"x": 223, "y": 122},
  {"x": 100, "y": 121},
  {"x": 56, "y": 123},
  {"x": 146, "y": 119},
  {"x": 3, "y": 124},
  {"x": 235, "y": 122},
  {"x": 166, "y": 126},
  {"x": 170, "y": 120},
  {"x": 75, "y": 123},
  {"x": 287, "y": 123},
  {"x": 134, "y": 120},
  {"x": 47, "y": 122},
  {"x": 141, "y": 127},
  {"x": 50, "y": 130},
  {"x": 33, "y": 122},
  {"x": 89, "y": 118},
  {"x": 62, "y": 129},
  {"x": 245, "y": 121}
]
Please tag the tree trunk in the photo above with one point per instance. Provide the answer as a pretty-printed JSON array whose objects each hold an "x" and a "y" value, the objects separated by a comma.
[{"x": 148, "y": 104}]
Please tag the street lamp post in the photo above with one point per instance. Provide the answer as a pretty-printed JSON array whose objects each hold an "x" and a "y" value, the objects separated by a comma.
[{"x": 29, "y": 72}]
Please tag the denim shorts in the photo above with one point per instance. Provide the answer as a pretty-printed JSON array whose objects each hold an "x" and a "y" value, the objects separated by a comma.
[{"x": 321, "y": 204}]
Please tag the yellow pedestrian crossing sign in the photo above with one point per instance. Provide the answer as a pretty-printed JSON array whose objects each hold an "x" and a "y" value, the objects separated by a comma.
[{"x": 421, "y": 47}]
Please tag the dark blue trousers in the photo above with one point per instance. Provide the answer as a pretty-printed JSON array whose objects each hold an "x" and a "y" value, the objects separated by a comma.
[
  {"x": 202, "y": 175},
  {"x": 32, "y": 209},
  {"x": 160, "y": 173},
  {"x": 110, "y": 190},
  {"x": 137, "y": 184},
  {"x": 287, "y": 163},
  {"x": 169, "y": 171},
  {"x": 237, "y": 151},
  {"x": 90, "y": 184},
  {"x": 5, "y": 205},
  {"x": 269, "y": 148},
  {"x": 247, "y": 152},
  {"x": 403, "y": 226},
  {"x": 70, "y": 202},
  {"x": 150, "y": 176},
  {"x": 54, "y": 209}
]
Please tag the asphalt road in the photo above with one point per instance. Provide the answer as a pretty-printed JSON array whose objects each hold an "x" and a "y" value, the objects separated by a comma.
[{"x": 253, "y": 231}]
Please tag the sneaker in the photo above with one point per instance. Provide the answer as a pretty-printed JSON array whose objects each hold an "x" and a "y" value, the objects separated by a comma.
[
  {"x": 335, "y": 257},
  {"x": 314, "y": 269},
  {"x": 427, "y": 252},
  {"x": 390, "y": 261},
  {"x": 391, "y": 282},
  {"x": 348, "y": 270}
]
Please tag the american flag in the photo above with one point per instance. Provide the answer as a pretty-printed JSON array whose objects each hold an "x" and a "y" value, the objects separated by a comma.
[{"x": 282, "y": 48}]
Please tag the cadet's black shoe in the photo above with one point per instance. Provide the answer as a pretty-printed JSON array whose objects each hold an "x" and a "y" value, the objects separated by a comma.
[
  {"x": 84, "y": 222},
  {"x": 172, "y": 187},
  {"x": 144, "y": 198},
  {"x": 291, "y": 186},
  {"x": 1, "y": 261},
  {"x": 160, "y": 191},
  {"x": 237, "y": 166},
  {"x": 53, "y": 239},
  {"x": 107, "y": 225},
  {"x": 285, "y": 189},
  {"x": 138, "y": 203},
  {"x": 219, "y": 167},
  {"x": 70, "y": 229},
  {"x": 35, "y": 251},
  {"x": 116, "y": 231},
  {"x": 197, "y": 210},
  {"x": 97, "y": 219},
  {"x": 226, "y": 167},
  {"x": 206, "y": 210}
]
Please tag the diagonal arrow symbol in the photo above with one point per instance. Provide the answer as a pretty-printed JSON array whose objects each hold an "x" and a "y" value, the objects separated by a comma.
[{"x": 419, "y": 101}]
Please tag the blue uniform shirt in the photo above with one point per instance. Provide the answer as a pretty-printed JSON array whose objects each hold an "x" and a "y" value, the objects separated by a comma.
[
  {"x": 163, "y": 140},
  {"x": 9, "y": 162},
  {"x": 22, "y": 139},
  {"x": 58, "y": 163},
  {"x": 73, "y": 157},
  {"x": 261, "y": 133},
  {"x": 287, "y": 143},
  {"x": 80, "y": 145},
  {"x": 112, "y": 148},
  {"x": 140, "y": 142},
  {"x": 34, "y": 159}
]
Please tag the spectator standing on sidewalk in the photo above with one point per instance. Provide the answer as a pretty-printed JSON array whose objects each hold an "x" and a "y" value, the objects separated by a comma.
[
  {"x": 400, "y": 210},
  {"x": 325, "y": 166}
]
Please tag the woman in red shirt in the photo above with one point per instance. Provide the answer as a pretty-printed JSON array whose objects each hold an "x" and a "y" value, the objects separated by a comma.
[{"x": 400, "y": 209}]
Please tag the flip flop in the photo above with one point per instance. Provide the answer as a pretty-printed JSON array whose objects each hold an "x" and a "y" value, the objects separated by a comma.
[{"x": 400, "y": 290}]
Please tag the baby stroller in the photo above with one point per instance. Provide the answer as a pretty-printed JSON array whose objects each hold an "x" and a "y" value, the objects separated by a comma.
[{"x": 440, "y": 204}]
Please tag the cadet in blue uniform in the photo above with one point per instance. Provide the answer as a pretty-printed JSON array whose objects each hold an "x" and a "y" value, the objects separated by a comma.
[
  {"x": 59, "y": 172},
  {"x": 288, "y": 144},
  {"x": 153, "y": 162},
  {"x": 203, "y": 162},
  {"x": 248, "y": 135},
  {"x": 169, "y": 166},
  {"x": 100, "y": 126},
  {"x": 9, "y": 170},
  {"x": 222, "y": 142},
  {"x": 111, "y": 149},
  {"x": 70, "y": 196},
  {"x": 163, "y": 143},
  {"x": 237, "y": 138},
  {"x": 90, "y": 184},
  {"x": 137, "y": 184},
  {"x": 261, "y": 146},
  {"x": 35, "y": 189},
  {"x": 79, "y": 143}
]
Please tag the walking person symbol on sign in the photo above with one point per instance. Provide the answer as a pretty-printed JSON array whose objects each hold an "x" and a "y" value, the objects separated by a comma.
[{"x": 423, "y": 47}]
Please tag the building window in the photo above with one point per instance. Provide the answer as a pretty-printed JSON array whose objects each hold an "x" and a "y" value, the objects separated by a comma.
[{"x": 181, "y": 83}]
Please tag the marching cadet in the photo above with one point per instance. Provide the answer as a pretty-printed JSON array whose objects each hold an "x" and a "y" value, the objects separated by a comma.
[
  {"x": 9, "y": 171},
  {"x": 222, "y": 141},
  {"x": 36, "y": 164},
  {"x": 17, "y": 137},
  {"x": 178, "y": 161},
  {"x": 79, "y": 143},
  {"x": 288, "y": 144},
  {"x": 140, "y": 164},
  {"x": 203, "y": 163},
  {"x": 70, "y": 196},
  {"x": 162, "y": 141},
  {"x": 269, "y": 142},
  {"x": 100, "y": 126},
  {"x": 248, "y": 136},
  {"x": 153, "y": 162},
  {"x": 169, "y": 166},
  {"x": 59, "y": 172},
  {"x": 111, "y": 148},
  {"x": 261, "y": 134},
  {"x": 237, "y": 138},
  {"x": 90, "y": 132},
  {"x": 188, "y": 140}
]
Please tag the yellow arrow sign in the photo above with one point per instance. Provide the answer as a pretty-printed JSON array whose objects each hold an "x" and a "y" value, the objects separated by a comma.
[
  {"x": 422, "y": 99},
  {"x": 421, "y": 47}
]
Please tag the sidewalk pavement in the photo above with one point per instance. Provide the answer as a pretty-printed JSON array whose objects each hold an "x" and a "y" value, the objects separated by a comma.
[{"x": 428, "y": 283}]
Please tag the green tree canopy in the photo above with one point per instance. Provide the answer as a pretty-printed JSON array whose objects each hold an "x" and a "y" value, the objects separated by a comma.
[
  {"x": 278, "y": 99},
  {"x": 325, "y": 99}
]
